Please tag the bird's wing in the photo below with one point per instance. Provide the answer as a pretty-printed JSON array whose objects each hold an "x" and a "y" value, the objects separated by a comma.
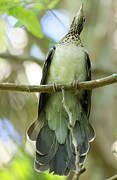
[
  {"x": 87, "y": 102},
  {"x": 37, "y": 125},
  {"x": 43, "y": 96},
  {"x": 88, "y": 63}
]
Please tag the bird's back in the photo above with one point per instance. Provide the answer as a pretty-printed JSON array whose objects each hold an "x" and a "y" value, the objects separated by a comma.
[{"x": 66, "y": 62}]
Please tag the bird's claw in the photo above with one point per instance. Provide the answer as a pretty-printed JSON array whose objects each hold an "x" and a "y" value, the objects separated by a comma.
[
  {"x": 75, "y": 84},
  {"x": 54, "y": 87}
]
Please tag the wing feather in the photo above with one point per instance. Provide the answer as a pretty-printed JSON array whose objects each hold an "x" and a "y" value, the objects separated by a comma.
[
  {"x": 43, "y": 96},
  {"x": 36, "y": 126}
]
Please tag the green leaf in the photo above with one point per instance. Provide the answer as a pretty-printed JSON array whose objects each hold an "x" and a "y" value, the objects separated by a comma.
[
  {"x": 39, "y": 6},
  {"x": 22, "y": 168},
  {"x": 43, "y": 1},
  {"x": 53, "y": 4},
  {"x": 6, "y": 4},
  {"x": 3, "y": 39},
  {"x": 28, "y": 18},
  {"x": 18, "y": 24}
]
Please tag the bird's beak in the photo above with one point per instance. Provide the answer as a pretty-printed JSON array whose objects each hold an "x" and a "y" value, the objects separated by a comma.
[
  {"x": 81, "y": 8},
  {"x": 80, "y": 12},
  {"x": 78, "y": 21}
]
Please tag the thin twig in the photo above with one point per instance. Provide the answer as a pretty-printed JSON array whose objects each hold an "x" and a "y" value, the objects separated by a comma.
[
  {"x": 113, "y": 177},
  {"x": 68, "y": 86},
  {"x": 78, "y": 168}
]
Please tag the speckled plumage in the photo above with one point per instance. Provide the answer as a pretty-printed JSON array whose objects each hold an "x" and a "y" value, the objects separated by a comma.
[
  {"x": 67, "y": 61},
  {"x": 72, "y": 38}
]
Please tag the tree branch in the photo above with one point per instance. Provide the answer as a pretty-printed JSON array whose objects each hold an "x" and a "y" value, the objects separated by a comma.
[
  {"x": 20, "y": 58},
  {"x": 113, "y": 177},
  {"x": 68, "y": 86}
]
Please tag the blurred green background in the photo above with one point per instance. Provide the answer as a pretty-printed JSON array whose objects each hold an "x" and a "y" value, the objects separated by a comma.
[{"x": 28, "y": 29}]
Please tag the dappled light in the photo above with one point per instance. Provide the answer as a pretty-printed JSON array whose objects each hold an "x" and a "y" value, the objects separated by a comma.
[
  {"x": 33, "y": 70},
  {"x": 18, "y": 39},
  {"x": 59, "y": 20}
]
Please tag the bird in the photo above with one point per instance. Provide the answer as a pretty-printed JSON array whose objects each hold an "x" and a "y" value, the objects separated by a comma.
[{"x": 68, "y": 61}]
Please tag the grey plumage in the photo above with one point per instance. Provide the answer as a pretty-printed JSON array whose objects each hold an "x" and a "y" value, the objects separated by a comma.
[{"x": 67, "y": 61}]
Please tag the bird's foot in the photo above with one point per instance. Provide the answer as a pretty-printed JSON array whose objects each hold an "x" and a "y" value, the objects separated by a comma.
[
  {"x": 54, "y": 87},
  {"x": 75, "y": 84}
]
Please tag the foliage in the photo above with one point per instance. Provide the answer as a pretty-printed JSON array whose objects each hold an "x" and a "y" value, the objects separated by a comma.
[
  {"x": 21, "y": 168},
  {"x": 3, "y": 39},
  {"x": 23, "y": 10},
  {"x": 28, "y": 18}
]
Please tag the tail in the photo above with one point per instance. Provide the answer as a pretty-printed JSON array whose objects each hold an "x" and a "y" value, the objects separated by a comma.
[{"x": 60, "y": 158}]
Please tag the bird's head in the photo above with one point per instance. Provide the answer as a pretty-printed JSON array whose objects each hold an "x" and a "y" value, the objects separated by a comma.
[{"x": 78, "y": 21}]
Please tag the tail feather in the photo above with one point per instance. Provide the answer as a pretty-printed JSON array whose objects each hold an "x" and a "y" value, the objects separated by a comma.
[
  {"x": 90, "y": 133},
  {"x": 34, "y": 130},
  {"x": 82, "y": 142},
  {"x": 88, "y": 128},
  {"x": 46, "y": 145},
  {"x": 81, "y": 138},
  {"x": 44, "y": 159},
  {"x": 59, "y": 162},
  {"x": 70, "y": 151},
  {"x": 41, "y": 167},
  {"x": 60, "y": 158}
]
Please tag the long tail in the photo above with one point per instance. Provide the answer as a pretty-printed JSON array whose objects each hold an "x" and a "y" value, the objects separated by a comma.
[{"x": 60, "y": 158}]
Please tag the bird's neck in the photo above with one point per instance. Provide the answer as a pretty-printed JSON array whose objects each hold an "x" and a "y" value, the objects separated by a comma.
[
  {"x": 71, "y": 37},
  {"x": 76, "y": 29}
]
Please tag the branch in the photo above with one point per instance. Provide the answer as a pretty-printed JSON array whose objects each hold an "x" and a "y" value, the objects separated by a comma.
[
  {"x": 20, "y": 58},
  {"x": 68, "y": 86},
  {"x": 113, "y": 177}
]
